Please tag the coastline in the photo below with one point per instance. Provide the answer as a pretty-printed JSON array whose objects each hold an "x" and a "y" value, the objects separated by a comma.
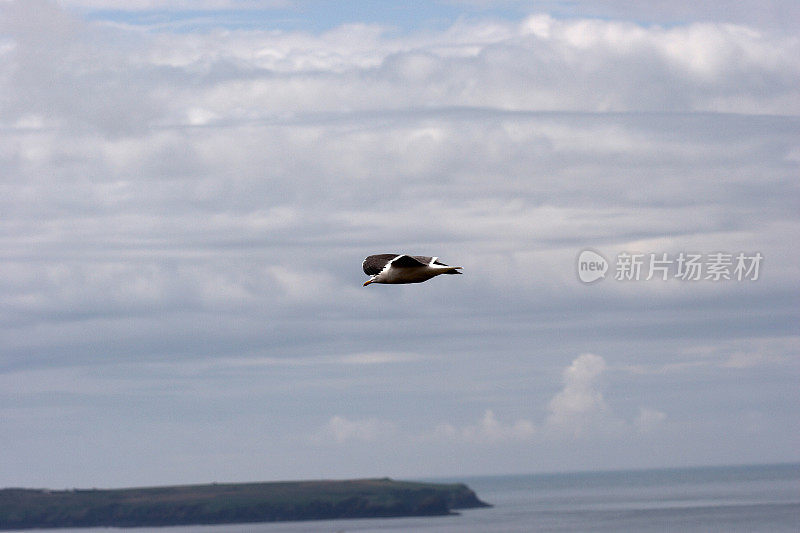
[{"x": 230, "y": 503}]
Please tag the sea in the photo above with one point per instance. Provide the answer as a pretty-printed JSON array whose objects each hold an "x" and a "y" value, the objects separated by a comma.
[{"x": 763, "y": 498}]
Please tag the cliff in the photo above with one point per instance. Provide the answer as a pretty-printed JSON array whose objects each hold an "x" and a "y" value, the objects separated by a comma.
[{"x": 230, "y": 503}]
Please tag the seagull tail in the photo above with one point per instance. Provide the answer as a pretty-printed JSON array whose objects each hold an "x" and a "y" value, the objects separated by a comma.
[{"x": 453, "y": 270}]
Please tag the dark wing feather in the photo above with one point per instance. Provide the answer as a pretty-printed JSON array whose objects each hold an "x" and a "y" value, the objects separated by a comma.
[
  {"x": 374, "y": 264},
  {"x": 405, "y": 261}
]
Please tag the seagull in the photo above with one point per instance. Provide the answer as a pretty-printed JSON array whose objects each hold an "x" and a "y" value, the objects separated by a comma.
[{"x": 401, "y": 268}]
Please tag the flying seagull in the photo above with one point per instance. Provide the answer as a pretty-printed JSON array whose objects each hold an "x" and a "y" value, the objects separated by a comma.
[{"x": 401, "y": 268}]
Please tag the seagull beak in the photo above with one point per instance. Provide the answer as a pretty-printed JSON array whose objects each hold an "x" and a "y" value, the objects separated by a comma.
[{"x": 367, "y": 282}]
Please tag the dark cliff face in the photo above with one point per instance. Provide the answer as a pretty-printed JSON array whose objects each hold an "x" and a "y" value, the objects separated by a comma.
[
  {"x": 462, "y": 497},
  {"x": 230, "y": 503}
]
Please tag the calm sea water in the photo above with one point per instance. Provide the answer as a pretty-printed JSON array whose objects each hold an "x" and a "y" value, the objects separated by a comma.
[{"x": 719, "y": 499}]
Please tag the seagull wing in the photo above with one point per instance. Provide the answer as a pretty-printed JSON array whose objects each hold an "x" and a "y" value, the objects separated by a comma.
[
  {"x": 373, "y": 264},
  {"x": 407, "y": 261}
]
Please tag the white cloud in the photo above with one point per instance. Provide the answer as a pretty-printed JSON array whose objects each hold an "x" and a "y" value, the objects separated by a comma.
[
  {"x": 696, "y": 67},
  {"x": 577, "y": 411},
  {"x": 579, "y": 406},
  {"x": 73, "y": 74},
  {"x": 343, "y": 430},
  {"x": 62, "y": 72},
  {"x": 488, "y": 430}
]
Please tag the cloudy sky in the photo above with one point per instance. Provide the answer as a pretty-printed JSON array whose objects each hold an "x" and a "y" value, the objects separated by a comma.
[{"x": 188, "y": 189}]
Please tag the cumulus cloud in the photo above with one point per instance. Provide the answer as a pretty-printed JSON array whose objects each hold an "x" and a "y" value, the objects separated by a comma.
[
  {"x": 488, "y": 430},
  {"x": 577, "y": 411},
  {"x": 342, "y": 429},
  {"x": 542, "y": 63},
  {"x": 580, "y": 403},
  {"x": 77, "y": 74}
]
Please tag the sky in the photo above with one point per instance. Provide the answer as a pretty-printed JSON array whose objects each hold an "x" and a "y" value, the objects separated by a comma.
[{"x": 188, "y": 190}]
